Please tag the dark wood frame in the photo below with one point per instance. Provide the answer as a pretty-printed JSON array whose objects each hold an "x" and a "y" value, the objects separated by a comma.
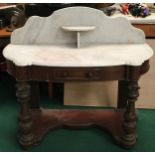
[
  {"x": 35, "y": 122},
  {"x": 4, "y": 40}
]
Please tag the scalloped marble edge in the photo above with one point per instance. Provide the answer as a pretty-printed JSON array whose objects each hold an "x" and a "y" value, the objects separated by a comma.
[
  {"x": 52, "y": 30},
  {"x": 23, "y": 55},
  {"x": 49, "y": 27}
]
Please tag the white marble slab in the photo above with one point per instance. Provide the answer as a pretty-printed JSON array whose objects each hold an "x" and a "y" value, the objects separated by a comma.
[
  {"x": 47, "y": 30},
  {"x": 93, "y": 56},
  {"x": 114, "y": 41}
]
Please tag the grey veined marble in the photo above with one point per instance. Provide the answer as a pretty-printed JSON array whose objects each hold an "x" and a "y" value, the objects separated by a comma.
[
  {"x": 77, "y": 37},
  {"x": 48, "y": 30}
]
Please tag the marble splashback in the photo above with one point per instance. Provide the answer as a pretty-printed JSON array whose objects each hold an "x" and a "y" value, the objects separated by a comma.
[{"x": 47, "y": 30}]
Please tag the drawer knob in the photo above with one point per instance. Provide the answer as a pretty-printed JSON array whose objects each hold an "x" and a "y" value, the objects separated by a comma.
[
  {"x": 65, "y": 74},
  {"x": 90, "y": 74}
]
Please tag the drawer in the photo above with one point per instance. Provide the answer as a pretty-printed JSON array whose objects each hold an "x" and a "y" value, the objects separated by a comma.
[{"x": 76, "y": 74}]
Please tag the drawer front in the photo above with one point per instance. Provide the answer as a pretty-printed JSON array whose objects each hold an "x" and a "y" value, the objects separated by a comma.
[{"x": 75, "y": 74}]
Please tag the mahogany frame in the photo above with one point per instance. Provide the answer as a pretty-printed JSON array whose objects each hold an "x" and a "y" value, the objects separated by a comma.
[{"x": 35, "y": 122}]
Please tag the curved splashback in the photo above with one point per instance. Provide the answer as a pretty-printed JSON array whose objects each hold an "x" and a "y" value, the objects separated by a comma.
[{"x": 48, "y": 30}]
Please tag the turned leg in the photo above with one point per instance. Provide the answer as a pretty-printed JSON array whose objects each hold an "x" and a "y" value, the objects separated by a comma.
[
  {"x": 25, "y": 122},
  {"x": 122, "y": 94},
  {"x": 129, "y": 124},
  {"x": 35, "y": 95}
]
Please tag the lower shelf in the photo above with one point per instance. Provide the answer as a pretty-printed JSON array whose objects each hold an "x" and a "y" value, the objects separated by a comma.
[{"x": 46, "y": 120}]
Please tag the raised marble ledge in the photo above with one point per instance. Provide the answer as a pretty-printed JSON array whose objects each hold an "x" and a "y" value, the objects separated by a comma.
[
  {"x": 92, "y": 56},
  {"x": 78, "y": 29}
]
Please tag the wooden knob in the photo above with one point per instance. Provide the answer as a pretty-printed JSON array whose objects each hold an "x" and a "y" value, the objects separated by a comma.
[
  {"x": 90, "y": 74},
  {"x": 65, "y": 74}
]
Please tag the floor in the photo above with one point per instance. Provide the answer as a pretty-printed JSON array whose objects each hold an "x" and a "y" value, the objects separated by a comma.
[{"x": 63, "y": 140}]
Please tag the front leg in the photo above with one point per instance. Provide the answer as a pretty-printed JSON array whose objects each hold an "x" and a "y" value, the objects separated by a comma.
[
  {"x": 26, "y": 137},
  {"x": 129, "y": 124}
]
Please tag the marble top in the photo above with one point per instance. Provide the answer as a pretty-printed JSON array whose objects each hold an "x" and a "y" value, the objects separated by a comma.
[
  {"x": 109, "y": 41},
  {"x": 92, "y": 56}
]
